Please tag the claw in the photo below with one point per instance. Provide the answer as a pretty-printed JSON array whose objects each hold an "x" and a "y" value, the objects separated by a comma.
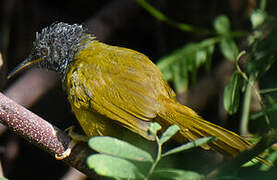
[
  {"x": 76, "y": 138},
  {"x": 67, "y": 152}
]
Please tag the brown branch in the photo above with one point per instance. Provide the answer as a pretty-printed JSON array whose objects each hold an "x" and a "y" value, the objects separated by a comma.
[
  {"x": 37, "y": 82},
  {"x": 42, "y": 134},
  {"x": 110, "y": 18}
]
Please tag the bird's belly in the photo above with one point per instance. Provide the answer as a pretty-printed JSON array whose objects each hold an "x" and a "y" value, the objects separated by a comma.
[{"x": 94, "y": 124}]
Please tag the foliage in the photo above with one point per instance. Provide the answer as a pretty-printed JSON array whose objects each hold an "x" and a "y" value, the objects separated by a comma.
[
  {"x": 177, "y": 66},
  {"x": 261, "y": 57},
  {"x": 232, "y": 93},
  {"x": 180, "y": 67},
  {"x": 3, "y": 178},
  {"x": 120, "y": 160},
  {"x": 185, "y": 61}
]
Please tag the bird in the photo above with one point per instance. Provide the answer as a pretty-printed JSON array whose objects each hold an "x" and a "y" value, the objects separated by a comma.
[{"x": 112, "y": 89}]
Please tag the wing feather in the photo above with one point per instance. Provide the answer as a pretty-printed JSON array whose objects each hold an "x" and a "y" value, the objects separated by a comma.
[{"x": 119, "y": 83}]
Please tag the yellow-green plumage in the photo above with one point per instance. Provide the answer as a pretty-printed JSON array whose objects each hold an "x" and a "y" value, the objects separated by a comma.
[
  {"x": 112, "y": 89},
  {"x": 114, "y": 82},
  {"x": 108, "y": 85}
]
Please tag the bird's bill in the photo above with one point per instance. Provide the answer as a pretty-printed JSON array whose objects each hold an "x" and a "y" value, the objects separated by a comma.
[{"x": 26, "y": 63}]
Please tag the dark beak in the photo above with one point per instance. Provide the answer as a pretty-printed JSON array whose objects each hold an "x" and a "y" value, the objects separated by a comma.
[{"x": 26, "y": 63}]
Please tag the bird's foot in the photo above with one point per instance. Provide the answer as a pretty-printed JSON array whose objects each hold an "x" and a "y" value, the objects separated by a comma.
[
  {"x": 67, "y": 152},
  {"x": 76, "y": 138}
]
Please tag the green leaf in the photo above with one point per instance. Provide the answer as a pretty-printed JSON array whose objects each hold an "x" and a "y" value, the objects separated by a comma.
[
  {"x": 172, "y": 130},
  {"x": 180, "y": 83},
  {"x": 264, "y": 51},
  {"x": 272, "y": 157},
  {"x": 184, "y": 78},
  {"x": 232, "y": 93},
  {"x": 222, "y": 25},
  {"x": 257, "y": 18},
  {"x": 110, "y": 166},
  {"x": 209, "y": 45},
  {"x": 201, "y": 57},
  {"x": 176, "y": 174},
  {"x": 210, "y": 51},
  {"x": 190, "y": 145},
  {"x": 118, "y": 178},
  {"x": 229, "y": 49},
  {"x": 181, "y": 66},
  {"x": 154, "y": 128},
  {"x": 167, "y": 74},
  {"x": 116, "y": 147},
  {"x": 265, "y": 111},
  {"x": 250, "y": 163},
  {"x": 269, "y": 109},
  {"x": 3, "y": 178}
]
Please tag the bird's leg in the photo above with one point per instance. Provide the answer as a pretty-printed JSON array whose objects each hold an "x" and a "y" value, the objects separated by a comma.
[{"x": 76, "y": 138}]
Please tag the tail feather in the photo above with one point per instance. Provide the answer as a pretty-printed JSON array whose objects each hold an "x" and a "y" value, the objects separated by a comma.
[{"x": 193, "y": 127}]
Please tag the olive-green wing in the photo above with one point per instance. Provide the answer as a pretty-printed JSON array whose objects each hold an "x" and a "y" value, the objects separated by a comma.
[{"x": 123, "y": 86}]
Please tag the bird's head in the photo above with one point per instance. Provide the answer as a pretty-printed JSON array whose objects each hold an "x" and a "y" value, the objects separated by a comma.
[{"x": 55, "y": 46}]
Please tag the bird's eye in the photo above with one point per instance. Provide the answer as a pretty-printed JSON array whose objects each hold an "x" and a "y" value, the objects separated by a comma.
[{"x": 44, "y": 51}]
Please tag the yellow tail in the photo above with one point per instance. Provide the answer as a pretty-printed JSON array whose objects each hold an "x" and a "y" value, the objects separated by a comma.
[{"x": 193, "y": 127}]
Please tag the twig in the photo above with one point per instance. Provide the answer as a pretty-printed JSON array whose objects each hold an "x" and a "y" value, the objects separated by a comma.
[
  {"x": 106, "y": 21},
  {"x": 162, "y": 17},
  {"x": 263, "y": 4},
  {"x": 266, "y": 91},
  {"x": 36, "y": 81},
  {"x": 158, "y": 157},
  {"x": 246, "y": 107},
  {"x": 42, "y": 134}
]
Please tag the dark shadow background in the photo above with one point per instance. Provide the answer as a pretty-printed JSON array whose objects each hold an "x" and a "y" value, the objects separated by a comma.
[{"x": 132, "y": 27}]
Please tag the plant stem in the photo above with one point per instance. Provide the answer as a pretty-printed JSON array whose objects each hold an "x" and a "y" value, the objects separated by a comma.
[
  {"x": 158, "y": 157},
  {"x": 263, "y": 4},
  {"x": 246, "y": 107},
  {"x": 271, "y": 90},
  {"x": 244, "y": 76},
  {"x": 162, "y": 17},
  {"x": 42, "y": 134},
  {"x": 258, "y": 94}
]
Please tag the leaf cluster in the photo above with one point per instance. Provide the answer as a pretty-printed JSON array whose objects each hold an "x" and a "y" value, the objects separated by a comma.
[
  {"x": 181, "y": 66},
  {"x": 261, "y": 56},
  {"x": 121, "y": 160}
]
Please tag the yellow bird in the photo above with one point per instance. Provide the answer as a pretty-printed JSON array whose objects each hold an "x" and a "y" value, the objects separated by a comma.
[{"x": 112, "y": 88}]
